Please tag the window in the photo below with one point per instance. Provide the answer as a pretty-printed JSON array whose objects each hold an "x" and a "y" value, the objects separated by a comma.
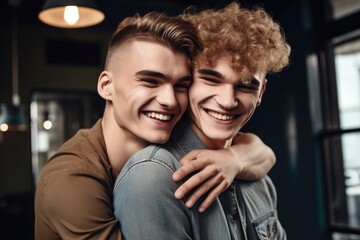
[
  {"x": 339, "y": 55},
  {"x": 343, "y": 145},
  {"x": 341, "y": 8},
  {"x": 56, "y": 117}
]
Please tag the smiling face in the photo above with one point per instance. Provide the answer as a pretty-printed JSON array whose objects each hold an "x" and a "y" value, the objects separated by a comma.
[
  {"x": 147, "y": 85},
  {"x": 221, "y": 101}
]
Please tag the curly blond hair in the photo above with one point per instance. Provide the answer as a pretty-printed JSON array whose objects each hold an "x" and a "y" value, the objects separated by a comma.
[{"x": 252, "y": 38}]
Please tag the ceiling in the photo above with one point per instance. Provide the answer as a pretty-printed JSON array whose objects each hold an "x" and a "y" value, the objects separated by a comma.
[{"x": 116, "y": 10}]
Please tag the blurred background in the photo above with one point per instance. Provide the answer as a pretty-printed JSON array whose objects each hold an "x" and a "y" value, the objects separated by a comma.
[{"x": 310, "y": 113}]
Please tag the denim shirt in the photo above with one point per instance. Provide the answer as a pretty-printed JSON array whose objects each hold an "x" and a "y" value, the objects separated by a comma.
[{"x": 145, "y": 205}]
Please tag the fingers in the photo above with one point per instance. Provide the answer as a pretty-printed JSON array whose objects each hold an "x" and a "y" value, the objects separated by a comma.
[
  {"x": 209, "y": 177},
  {"x": 190, "y": 165},
  {"x": 212, "y": 187},
  {"x": 212, "y": 196},
  {"x": 196, "y": 180},
  {"x": 190, "y": 156}
]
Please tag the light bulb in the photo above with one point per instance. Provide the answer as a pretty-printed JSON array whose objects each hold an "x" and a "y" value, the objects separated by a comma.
[
  {"x": 4, "y": 127},
  {"x": 71, "y": 14},
  {"x": 47, "y": 124}
]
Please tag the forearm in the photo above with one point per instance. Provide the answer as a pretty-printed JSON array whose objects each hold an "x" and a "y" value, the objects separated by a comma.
[{"x": 254, "y": 157}]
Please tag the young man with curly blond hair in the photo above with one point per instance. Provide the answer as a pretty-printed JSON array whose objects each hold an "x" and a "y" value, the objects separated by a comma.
[{"x": 240, "y": 48}]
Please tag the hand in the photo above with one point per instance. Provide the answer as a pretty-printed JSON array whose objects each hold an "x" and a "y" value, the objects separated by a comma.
[{"x": 214, "y": 171}]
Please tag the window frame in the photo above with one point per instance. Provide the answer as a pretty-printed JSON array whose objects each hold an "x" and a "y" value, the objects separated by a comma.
[{"x": 331, "y": 32}]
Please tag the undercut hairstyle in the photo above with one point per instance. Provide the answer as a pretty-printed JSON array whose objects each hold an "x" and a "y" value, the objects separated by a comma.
[
  {"x": 253, "y": 40},
  {"x": 156, "y": 27}
]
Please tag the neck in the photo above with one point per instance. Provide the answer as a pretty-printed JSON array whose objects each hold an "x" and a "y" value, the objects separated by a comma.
[
  {"x": 208, "y": 142},
  {"x": 120, "y": 143}
]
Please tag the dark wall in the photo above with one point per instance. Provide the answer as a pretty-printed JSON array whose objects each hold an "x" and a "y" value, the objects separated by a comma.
[
  {"x": 37, "y": 71},
  {"x": 284, "y": 122}
]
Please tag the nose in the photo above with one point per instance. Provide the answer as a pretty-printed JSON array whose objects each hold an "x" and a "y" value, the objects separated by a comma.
[
  {"x": 226, "y": 97},
  {"x": 167, "y": 97}
]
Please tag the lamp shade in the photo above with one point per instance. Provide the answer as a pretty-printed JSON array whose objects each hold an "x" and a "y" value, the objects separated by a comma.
[
  {"x": 82, "y": 13},
  {"x": 12, "y": 118}
]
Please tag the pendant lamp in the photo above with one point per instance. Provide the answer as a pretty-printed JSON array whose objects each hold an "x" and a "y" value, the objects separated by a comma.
[
  {"x": 12, "y": 118},
  {"x": 71, "y": 13}
]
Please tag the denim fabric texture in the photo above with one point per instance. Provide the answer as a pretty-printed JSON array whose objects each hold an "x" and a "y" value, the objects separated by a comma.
[{"x": 145, "y": 205}]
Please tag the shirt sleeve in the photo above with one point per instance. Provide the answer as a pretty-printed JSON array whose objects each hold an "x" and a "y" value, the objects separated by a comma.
[
  {"x": 145, "y": 204},
  {"x": 78, "y": 205}
]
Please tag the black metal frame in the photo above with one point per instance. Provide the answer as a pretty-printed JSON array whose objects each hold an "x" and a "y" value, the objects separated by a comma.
[{"x": 330, "y": 33}]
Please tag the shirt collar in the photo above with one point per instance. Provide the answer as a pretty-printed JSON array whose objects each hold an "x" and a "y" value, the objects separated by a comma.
[{"x": 185, "y": 138}]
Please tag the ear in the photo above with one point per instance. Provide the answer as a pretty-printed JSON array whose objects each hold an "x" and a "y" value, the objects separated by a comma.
[
  {"x": 103, "y": 85},
  {"x": 262, "y": 90}
]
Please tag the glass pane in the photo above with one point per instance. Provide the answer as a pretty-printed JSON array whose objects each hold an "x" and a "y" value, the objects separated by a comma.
[
  {"x": 342, "y": 8},
  {"x": 343, "y": 236},
  {"x": 344, "y": 154},
  {"x": 347, "y": 66},
  {"x": 55, "y": 117}
]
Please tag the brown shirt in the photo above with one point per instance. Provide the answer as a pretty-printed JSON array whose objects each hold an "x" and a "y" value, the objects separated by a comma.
[{"x": 74, "y": 192}]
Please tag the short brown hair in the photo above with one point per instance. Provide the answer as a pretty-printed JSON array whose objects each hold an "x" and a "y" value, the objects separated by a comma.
[
  {"x": 161, "y": 28},
  {"x": 252, "y": 38}
]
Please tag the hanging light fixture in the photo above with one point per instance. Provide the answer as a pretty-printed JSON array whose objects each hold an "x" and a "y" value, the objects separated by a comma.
[
  {"x": 12, "y": 118},
  {"x": 71, "y": 13}
]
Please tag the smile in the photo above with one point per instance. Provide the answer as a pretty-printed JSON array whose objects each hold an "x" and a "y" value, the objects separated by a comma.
[
  {"x": 158, "y": 116},
  {"x": 219, "y": 116}
]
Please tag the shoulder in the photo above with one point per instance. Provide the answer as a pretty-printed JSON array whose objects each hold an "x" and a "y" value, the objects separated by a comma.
[
  {"x": 86, "y": 144},
  {"x": 83, "y": 154},
  {"x": 69, "y": 164},
  {"x": 67, "y": 175},
  {"x": 74, "y": 170},
  {"x": 264, "y": 184},
  {"x": 154, "y": 154},
  {"x": 268, "y": 186},
  {"x": 260, "y": 192},
  {"x": 68, "y": 190},
  {"x": 149, "y": 168}
]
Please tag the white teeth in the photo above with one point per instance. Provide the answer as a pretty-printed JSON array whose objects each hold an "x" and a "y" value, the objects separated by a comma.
[
  {"x": 220, "y": 116},
  {"x": 160, "y": 116}
]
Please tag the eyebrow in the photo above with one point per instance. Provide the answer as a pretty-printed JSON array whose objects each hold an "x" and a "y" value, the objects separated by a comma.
[
  {"x": 210, "y": 72},
  {"x": 149, "y": 73},
  {"x": 253, "y": 80}
]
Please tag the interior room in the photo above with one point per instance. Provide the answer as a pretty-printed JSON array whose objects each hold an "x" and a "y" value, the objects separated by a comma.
[{"x": 309, "y": 116}]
